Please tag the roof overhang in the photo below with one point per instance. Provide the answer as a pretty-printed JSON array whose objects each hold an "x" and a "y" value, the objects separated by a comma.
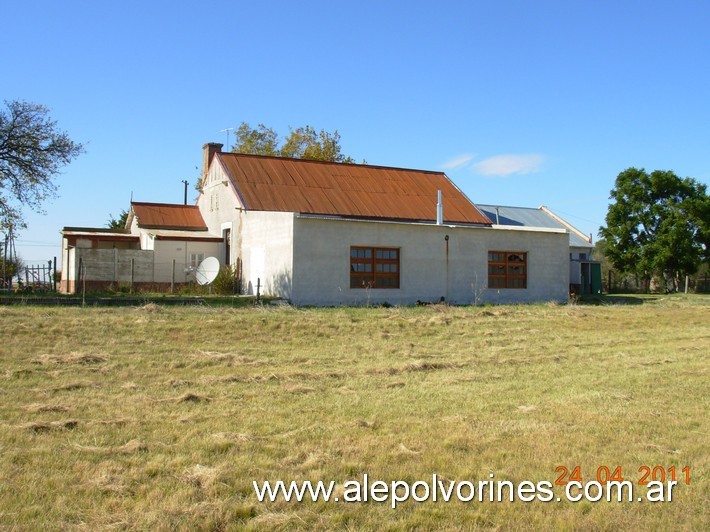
[
  {"x": 385, "y": 220},
  {"x": 181, "y": 235},
  {"x": 174, "y": 228},
  {"x": 526, "y": 229},
  {"x": 189, "y": 238},
  {"x": 98, "y": 233}
]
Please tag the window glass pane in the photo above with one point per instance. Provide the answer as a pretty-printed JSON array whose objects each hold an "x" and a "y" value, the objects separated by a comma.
[
  {"x": 494, "y": 282},
  {"x": 376, "y": 267},
  {"x": 385, "y": 282},
  {"x": 513, "y": 257}
]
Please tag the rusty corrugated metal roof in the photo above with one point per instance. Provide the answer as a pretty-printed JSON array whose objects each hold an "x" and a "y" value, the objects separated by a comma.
[
  {"x": 348, "y": 190},
  {"x": 168, "y": 216}
]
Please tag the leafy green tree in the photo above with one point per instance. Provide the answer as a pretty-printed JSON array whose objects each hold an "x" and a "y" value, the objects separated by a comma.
[
  {"x": 32, "y": 152},
  {"x": 306, "y": 143},
  {"x": 301, "y": 143},
  {"x": 118, "y": 223},
  {"x": 658, "y": 225},
  {"x": 258, "y": 141}
]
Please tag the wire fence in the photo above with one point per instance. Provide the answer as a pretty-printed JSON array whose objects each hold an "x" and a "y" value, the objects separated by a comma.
[{"x": 29, "y": 277}]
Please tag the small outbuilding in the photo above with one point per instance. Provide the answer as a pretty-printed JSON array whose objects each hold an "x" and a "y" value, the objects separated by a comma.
[{"x": 158, "y": 250}]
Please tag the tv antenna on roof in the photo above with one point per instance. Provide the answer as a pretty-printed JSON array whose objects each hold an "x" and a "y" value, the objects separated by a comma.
[{"x": 227, "y": 130}]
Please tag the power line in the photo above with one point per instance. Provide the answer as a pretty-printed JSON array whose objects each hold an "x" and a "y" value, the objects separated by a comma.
[{"x": 574, "y": 216}]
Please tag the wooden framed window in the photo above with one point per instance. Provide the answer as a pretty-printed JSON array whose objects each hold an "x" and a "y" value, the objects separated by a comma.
[
  {"x": 507, "y": 269},
  {"x": 374, "y": 267}
]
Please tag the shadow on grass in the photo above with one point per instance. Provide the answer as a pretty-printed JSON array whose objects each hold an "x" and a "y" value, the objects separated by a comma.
[{"x": 616, "y": 299}]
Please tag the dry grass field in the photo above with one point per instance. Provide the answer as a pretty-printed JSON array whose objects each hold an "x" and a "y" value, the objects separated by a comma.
[{"x": 161, "y": 418}]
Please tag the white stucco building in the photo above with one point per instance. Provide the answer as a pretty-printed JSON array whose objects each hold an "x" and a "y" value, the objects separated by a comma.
[{"x": 321, "y": 233}]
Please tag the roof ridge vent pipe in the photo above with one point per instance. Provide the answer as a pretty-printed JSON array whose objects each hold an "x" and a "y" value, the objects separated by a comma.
[
  {"x": 439, "y": 209},
  {"x": 497, "y": 215}
]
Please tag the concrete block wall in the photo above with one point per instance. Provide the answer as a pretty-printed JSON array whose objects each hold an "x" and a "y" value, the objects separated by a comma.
[{"x": 321, "y": 263}]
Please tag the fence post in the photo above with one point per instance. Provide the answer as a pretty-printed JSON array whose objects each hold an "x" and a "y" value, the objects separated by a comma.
[
  {"x": 54, "y": 275},
  {"x": 78, "y": 275},
  {"x": 83, "y": 284},
  {"x": 133, "y": 261}
]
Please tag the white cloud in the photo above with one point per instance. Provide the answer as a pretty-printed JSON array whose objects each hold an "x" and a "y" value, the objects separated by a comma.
[
  {"x": 458, "y": 161},
  {"x": 503, "y": 165}
]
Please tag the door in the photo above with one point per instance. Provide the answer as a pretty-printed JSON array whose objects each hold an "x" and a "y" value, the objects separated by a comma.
[{"x": 227, "y": 236}]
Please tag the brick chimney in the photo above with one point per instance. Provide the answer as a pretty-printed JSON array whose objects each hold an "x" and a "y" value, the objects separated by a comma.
[{"x": 208, "y": 151}]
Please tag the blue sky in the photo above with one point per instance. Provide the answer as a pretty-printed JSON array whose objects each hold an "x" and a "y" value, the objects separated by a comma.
[{"x": 520, "y": 103}]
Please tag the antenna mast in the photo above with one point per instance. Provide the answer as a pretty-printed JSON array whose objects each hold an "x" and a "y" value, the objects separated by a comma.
[{"x": 227, "y": 130}]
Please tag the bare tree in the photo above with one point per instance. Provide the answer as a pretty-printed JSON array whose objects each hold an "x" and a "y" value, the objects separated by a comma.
[{"x": 32, "y": 152}]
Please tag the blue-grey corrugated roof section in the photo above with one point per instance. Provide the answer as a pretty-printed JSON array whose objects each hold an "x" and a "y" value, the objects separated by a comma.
[{"x": 529, "y": 217}]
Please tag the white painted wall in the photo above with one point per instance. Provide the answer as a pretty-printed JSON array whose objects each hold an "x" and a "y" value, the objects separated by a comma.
[
  {"x": 180, "y": 251},
  {"x": 220, "y": 207},
  {"x": 321, "y": 263},
  {"x": 576, "y": 251},
  {"x": 265, "y": 245}
]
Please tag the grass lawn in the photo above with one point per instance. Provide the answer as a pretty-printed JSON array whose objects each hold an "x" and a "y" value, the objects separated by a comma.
[{"x": 162, "y": 417}]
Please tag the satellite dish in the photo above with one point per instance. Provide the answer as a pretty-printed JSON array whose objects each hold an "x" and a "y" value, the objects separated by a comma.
[{"x": 207, "y": 271}]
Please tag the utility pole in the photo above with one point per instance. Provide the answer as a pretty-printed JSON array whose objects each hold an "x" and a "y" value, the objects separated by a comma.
[{"x": 184, "y": 181}]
